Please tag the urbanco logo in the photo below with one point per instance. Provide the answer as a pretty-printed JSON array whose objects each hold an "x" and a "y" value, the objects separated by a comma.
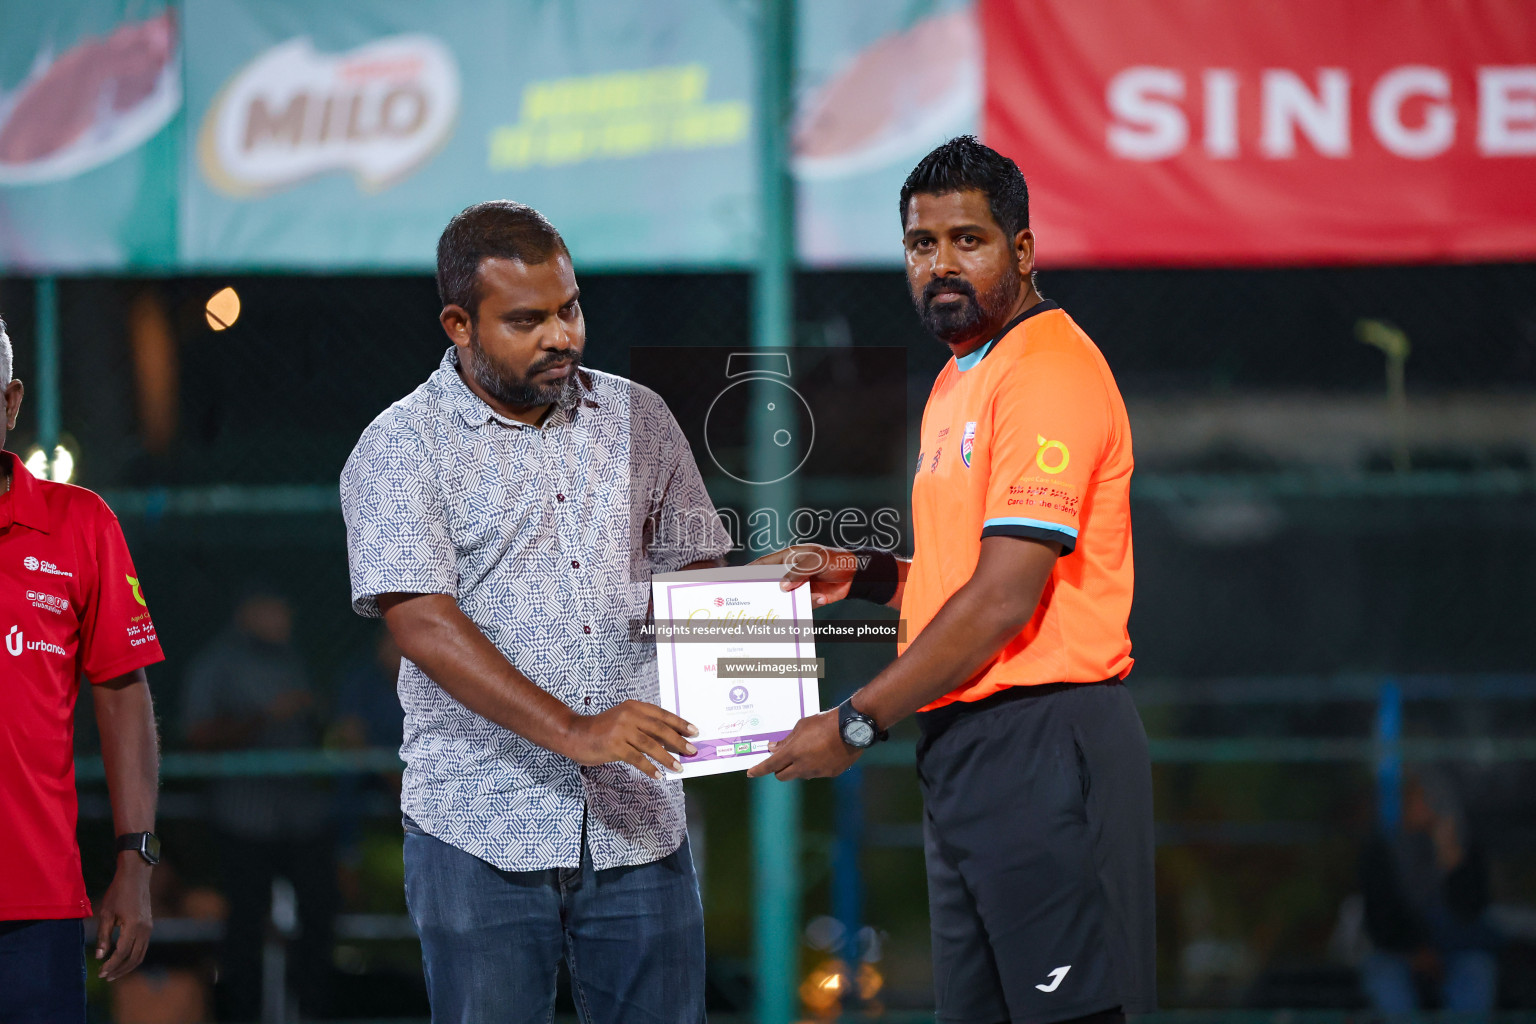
[
  {"x": 380, "y": 110},
  {"x": 14, "y": 641}
]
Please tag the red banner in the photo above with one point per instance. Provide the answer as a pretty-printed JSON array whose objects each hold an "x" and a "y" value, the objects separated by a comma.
[{"x": 1200, "y": 132}]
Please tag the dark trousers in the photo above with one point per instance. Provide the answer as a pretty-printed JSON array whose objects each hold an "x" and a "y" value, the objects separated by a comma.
[
  {"x": 249, "y": 866},
  {"x": 42, "y": 972}
]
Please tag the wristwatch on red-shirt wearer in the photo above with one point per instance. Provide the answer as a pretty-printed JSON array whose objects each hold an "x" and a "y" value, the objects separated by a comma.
[{"x": 145, "y": 844}]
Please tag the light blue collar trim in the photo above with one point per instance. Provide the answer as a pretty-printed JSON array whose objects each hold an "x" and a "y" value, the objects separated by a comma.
[{"x": 973, "y": 357}]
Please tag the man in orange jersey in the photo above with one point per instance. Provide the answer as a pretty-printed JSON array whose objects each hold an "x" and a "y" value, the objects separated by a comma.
[{"x": 1032, "y": 758}]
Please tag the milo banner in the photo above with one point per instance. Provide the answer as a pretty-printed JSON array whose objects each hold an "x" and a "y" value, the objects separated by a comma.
[
  {"x": 290, "y": 134},
  {"x": 342, "y": 135},
  {"x": 346, "y": 133},
  {"x": 90, "y": 104}
]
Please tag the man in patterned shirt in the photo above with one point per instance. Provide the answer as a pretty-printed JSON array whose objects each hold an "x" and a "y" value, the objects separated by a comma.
[{"x": 505, "y": 519}]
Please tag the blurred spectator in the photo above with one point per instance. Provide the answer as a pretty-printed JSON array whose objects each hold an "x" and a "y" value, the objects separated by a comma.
[
  {"x": 1426, "y": 890},
  {"x": 248, "y": 690},
  {"x": 368, "y": 714}
]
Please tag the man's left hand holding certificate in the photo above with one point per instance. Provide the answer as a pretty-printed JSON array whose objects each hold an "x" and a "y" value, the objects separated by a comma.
[{"x": 737, "y": 658}]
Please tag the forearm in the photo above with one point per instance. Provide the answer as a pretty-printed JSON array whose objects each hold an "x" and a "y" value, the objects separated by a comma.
[
  {"x": 130, "y": 750},
  {"x": 445, "y": 644},
  {"x": 967, "y": 633}
]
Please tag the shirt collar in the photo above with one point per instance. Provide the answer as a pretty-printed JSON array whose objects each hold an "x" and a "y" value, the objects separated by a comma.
[
  {"x": 976, "y": 355},
  {"x": 474, "y": 411},
  {"x": 27, "y": 505}
]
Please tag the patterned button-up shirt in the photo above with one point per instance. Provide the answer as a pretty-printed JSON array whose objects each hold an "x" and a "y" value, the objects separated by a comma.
[{"x": 546, "y": 536}]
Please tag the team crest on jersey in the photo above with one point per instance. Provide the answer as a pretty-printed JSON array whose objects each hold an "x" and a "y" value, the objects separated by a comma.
[{"x": 968, "y": 443}]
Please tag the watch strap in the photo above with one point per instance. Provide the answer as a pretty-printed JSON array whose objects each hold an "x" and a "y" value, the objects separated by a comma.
[{"x": 145, "y": 844}]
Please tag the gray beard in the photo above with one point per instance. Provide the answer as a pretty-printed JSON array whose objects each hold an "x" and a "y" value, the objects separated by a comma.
[{"x": 511, "y": 390}]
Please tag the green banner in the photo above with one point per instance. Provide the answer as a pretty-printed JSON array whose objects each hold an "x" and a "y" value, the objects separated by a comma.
[
  {"x": 289, "y": 134},
  {"x": 879, "y": 85},
  {"x": 90, "y": 107},
  {"x": 345, "y": 134}
]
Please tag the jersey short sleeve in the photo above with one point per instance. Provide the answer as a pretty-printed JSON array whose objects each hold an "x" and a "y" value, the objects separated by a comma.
[
  {"x": 1051, "y": 426},
  {"x": 397, "y": 525},
  {"x": 116, "y": 632}
]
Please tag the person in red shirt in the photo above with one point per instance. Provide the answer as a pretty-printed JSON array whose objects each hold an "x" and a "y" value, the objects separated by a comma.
[{"x": 70, "y": 604}]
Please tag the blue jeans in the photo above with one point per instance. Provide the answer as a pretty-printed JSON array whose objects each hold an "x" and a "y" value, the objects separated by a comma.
[
  {"x": 1470, "y": 983},
  {"x": 42, "y": 972},
  {"x": 491, "y": 941}
]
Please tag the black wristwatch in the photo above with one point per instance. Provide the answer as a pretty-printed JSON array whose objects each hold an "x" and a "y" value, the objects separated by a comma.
[
  {"x": 145, "y": 844},
  {"x": 858, "y": 729}
]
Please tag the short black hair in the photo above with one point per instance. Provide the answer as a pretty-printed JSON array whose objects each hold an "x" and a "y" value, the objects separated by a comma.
[
  {"x": 964, "y": 163},
  {"x": 498, "y": 229}
]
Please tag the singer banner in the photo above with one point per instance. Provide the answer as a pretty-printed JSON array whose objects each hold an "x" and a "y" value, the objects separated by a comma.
[{"x": 1200, "y": 132}]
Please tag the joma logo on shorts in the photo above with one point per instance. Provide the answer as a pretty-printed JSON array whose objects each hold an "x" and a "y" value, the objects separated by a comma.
[{"x": 1055, "y": 979}]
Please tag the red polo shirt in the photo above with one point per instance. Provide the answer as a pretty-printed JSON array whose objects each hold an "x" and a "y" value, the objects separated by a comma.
[{"x": 70, "y": 603}]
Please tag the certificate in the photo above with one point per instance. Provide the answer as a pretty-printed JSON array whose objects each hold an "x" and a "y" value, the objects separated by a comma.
[{"x": 707, "y": 619}]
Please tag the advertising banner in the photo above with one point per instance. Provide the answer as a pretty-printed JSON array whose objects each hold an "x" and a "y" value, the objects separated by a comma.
[
  {"x": 286, "y": 134},
  {"x": 878, "y": 85},
  {"x": 90, "y": 99},
  {"x": 345, "y": 134},
  {"x": 1187, "y": 132}
]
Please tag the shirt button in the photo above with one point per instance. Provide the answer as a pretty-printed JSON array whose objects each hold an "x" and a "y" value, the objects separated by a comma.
[
  {"x": 575, "y": 564},
  {"x": 559, "y": 497},
  {"x": 586, "y": 629}
]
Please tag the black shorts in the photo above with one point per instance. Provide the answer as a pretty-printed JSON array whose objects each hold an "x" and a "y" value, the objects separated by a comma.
[{"x": 1038, "y": 828}]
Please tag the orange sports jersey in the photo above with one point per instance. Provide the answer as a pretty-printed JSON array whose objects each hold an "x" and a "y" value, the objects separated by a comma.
[{"x": 1027, "y": 437}]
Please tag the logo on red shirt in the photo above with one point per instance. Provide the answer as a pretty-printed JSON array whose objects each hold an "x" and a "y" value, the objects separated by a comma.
[
  {"x": 39, "y": 565},
  {"x": 48, "y": 602},
  {"x": 16, "y": 642}
]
